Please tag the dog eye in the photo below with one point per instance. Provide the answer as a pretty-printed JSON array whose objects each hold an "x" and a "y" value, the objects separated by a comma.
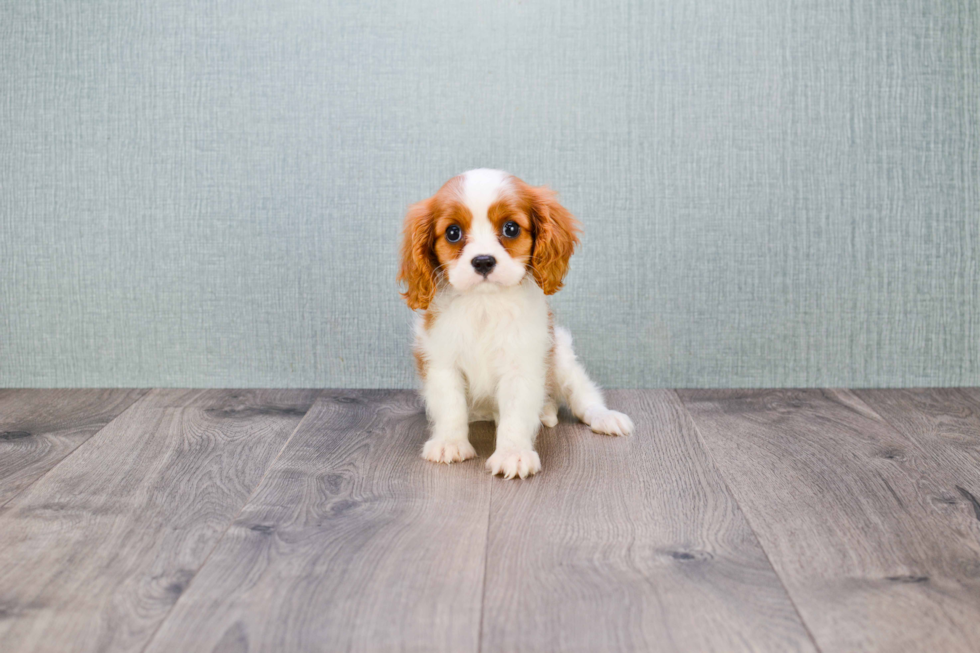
[
  {"x": 511, "y": 230},
  {"x": 453, "y": 233}
]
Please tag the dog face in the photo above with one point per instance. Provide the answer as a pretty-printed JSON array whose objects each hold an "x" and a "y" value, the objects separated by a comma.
[{"x": 482, "y": 231}]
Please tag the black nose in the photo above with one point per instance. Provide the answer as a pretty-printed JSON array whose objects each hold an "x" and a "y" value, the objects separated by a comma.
[{"x": 483, "y": 264}]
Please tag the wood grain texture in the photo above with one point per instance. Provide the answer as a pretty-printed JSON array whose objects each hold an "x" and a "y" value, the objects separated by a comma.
[
  {"x": 38, "y": 428},
  {"x": 944, "y": 426},
  {"x": 630, "y": 544},
  {"x": 94, "y": 554},
  {"x": 227, "y": 521},
  {"x": 352, "y": 543},
  {"x": 854, "y": 515}
]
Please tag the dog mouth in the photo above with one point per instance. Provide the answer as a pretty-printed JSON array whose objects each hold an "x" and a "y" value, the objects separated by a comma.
[{"x": 488, "y": 284}]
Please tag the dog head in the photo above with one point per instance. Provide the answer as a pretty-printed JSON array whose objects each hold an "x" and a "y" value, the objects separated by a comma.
[{"x": 482, "y": 231}]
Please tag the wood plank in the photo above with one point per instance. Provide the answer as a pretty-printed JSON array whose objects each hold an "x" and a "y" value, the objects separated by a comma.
[
  {"x": 945, "y": 425},
  {"x": 96, "y": 552},
  {"x": 352, "y": 543},
  {"x": 630, "y": 544},
  {"x": 853, "y": 516},
  {"x": 38, "y": 428}
]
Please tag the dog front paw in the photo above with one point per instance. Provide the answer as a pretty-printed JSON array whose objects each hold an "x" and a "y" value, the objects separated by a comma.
[
  {"x": 514, "y": 462},
  {"x": 448, "y": 451},
  {"x": 608, "y": 422}
]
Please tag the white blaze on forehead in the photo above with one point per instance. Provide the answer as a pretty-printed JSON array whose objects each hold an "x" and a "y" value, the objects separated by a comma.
[{"x": 481, "y": 188}]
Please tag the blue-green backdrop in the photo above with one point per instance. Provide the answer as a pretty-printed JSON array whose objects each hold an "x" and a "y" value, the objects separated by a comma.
[{"x": 209, "y": 193}]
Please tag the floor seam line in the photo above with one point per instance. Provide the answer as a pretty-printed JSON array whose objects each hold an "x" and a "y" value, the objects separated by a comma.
[
  {"x": 486, "y": 558},
  {"x": 755, "y": 534},
  {"x": 231, "y": 522},
  {"x": 80, "y": 445}
]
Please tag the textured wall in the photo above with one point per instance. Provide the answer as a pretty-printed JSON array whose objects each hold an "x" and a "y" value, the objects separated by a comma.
[{"x": 774, "y": 193}]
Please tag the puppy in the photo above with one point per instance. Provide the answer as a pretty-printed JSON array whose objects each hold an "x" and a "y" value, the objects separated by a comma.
[{"x": 478, "y": 259}]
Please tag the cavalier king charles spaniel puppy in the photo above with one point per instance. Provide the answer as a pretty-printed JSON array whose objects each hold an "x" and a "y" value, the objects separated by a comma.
[{"x": 478, "y": 259}]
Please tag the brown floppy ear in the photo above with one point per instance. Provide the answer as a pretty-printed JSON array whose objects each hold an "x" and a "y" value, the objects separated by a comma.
[
  {"x": 555, "y": 237},
  {"x": 418, "y": 269}
]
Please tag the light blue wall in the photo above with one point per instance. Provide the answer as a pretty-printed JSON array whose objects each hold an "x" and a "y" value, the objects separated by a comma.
[{"x": 209, "y": 193}]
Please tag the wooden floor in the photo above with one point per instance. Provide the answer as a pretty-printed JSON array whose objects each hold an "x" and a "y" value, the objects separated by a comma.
[{"x": 293, "y": 520}]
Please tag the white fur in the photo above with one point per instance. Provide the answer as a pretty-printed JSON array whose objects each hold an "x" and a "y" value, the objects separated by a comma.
[
  {"x": 481, "y": 188},
  {"x": 487, "y": 354}
]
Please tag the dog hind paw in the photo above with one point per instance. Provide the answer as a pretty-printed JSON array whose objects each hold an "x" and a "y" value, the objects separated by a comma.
[
  {"x": 549, "y": 416},
  {"x": 608, "y": 422}
]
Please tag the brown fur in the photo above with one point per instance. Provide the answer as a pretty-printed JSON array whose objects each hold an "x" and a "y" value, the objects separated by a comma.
[
  {"x": 549, "y": 234},
  {"x": 555, "y": 235},
  {"x": 420, "y": 362},
  {"x": 418, "y": 266},
  {"x": 423, "y": 243},
  {"x": 450, "y": 213},
  {"x": 506, "y": 210}
]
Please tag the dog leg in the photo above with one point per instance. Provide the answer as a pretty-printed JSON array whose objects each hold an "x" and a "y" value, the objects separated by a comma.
[
  {"x": 445, "y": 402},
  {"x": 582, "y": 395},
  {"x": 549, "y": 414},
  {"x": 520, "y": 400}
]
